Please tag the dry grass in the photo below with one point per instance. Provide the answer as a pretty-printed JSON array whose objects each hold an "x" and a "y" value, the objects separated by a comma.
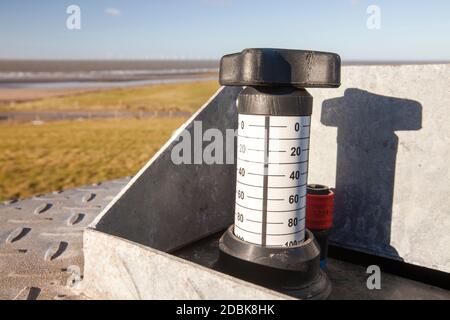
[
  {"x": 60, "y": 155},
  {"x": 56, "y": 155}
]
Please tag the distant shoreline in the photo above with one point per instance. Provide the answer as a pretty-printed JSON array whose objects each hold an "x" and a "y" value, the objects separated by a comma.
[
  {"x": 29, "y": 91},
  {"x": 64, "y": 74},
  {"x": 102, "y": 83},
  {"x": 22, "y": 65},
  {"x": 103, "y": 65}
]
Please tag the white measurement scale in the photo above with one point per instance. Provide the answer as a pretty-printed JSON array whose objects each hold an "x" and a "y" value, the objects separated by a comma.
[{"x": 272, "y": 173}]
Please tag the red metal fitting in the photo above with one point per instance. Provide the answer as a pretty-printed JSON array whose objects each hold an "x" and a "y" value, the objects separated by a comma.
[{"x": 319, "y": 207}]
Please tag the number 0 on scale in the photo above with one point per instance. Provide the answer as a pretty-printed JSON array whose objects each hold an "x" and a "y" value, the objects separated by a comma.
[{"x": 272, "y": 167}]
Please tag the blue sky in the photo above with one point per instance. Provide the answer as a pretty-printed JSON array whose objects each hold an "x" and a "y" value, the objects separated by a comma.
[{"x": 199, "y": 29}]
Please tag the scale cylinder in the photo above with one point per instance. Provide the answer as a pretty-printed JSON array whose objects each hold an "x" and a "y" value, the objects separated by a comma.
[
  {"x": 272, "y": 165},
  {"x": 269, "y": 244}
]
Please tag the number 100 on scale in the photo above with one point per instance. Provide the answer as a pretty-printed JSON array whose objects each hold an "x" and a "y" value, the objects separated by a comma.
[{"x": 272, "y": 169}]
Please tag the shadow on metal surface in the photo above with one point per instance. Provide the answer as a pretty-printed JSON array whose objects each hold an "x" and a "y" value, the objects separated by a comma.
[{"x": 366, "y": 163}]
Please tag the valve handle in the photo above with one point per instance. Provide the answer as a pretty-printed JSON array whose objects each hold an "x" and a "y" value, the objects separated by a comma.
[{"x": 281, "y": 67}]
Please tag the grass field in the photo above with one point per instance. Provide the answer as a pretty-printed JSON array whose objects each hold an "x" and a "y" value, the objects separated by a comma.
[
  {"x": 56, "y": 155},
  {"x": 186, "y": 97},
  {"x": 60, "y": 155}
]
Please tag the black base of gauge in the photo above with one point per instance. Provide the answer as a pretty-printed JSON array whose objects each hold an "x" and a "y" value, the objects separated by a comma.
[{"x": 291, "y": 270}]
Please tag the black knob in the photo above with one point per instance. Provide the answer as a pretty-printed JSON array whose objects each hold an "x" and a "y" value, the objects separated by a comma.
[{"x": 281, "y": 67}]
